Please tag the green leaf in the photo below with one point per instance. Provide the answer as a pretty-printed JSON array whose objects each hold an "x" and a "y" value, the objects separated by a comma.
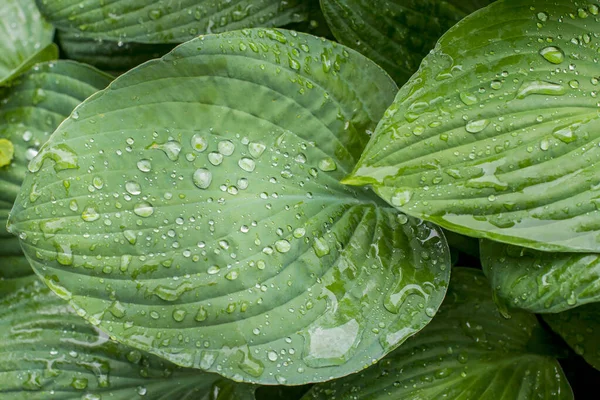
[
  {"x": 579, "y": 327},
  {"x": 109, "y": 55},
  {"x": 145, "y": 21},
  {"x": 469, "y": 351},
  {"x": 204, "y": 200},
  {"x": 540, "y": 282},
  {"x": 396, "y": 34},
  {"x": 496, "y": 136},
  {"x": 25, "y": 38},
  {"x": 14, "y": 266},
  {"x": 462, "y": 243},
  {"x": 30, "y": 110},
  {"x": 48, "y": 351}
]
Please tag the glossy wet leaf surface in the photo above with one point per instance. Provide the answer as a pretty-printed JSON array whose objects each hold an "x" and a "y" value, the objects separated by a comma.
[
  {"x": 30, "y": 110},
  {"x": 48, "y": 351},
  {"x": 540, "y": 282},
  {"x": 24, "y": 38},
  {"x": 579, "y": 327},
  {"x": 496, "y": 136},
  {"x": 165, "y": 21},
  {"x": 194, "y": 210},
  {"x": 396, "y": 34},
  {"x": 469, "y": 351}
]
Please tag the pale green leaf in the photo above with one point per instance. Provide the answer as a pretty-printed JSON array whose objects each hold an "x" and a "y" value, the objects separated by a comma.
[
  {"x": 396, "y": 34},
  {"x": 496, "y": 136},
  {"x": 469, "y": 351},
  {"x": 203, "y": 200},
  {"x": 49, "y": 352},
  {"x": 540, "y": 282},
  {"x": 25, "y": 38},
  {"x": 162, "y": 21}
]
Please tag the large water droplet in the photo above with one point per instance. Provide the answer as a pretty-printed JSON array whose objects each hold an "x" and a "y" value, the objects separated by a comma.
[
  {"x": 477, "y": 126},
  {"x": 327, "y": 164},
  {"x": 202, "y": 178},
  {"x": 247, "y": 164},
  {"x": 172, "y": 148},
  {"x": 199, "y": 143},
  {"x": 133, "y": 188},
  {"x": 553, "y": 54},
  {"x": 144, "y": 165},
  {"x": 226, "y": 147},
  {"x": 321, "y": 247},
  {"x": 143, "y": 209},
  {"x": 540, "y": 87}
]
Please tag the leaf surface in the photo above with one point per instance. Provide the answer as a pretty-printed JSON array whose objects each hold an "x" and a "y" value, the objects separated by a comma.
[
  {"x": 30, "y": 110},
  {"x": 469, "y": 351},
  {"x": 203, "y": 200},
  {"x": 496, "y": 136},
  {"x": 163, "y": 21},
  {"x": 396, "y": 34},
  {"x": 25, "y": 38},
  {"x": 48, "y": 351},
  {"x": 579, "y": 327},
  {"x": 540, "y": 282}
]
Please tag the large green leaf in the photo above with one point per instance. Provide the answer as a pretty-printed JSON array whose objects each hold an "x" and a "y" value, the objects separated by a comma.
[
  {"x": 25, "y": 38},
  {"x": 203, "y": 219},
  {"x": 496, "y": 136},
  {"x": 396, "y": 34},
  {"x": 109, "y": 55},
  {"x": 469, "y": 351},
  {"x": 49, "y": 352},
  {"x": 540, "y": 282},
  {"x": 579, "y": 327},
  {"x": 30, "y": 110},
  {"x": 165, "y": 21}
]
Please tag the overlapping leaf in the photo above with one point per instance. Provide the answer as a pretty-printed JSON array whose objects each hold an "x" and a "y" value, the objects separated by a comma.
[
  {"x": 496, "y": 136},
  {"x": 396, "y": 34},
  {"x": 109, "y": 55},
  {"x": 540, "y": 282},
  {"x": 469, "y": 351},
  {"x": 579, "y": 327},
  {"x": 30, "y": 110},
  {"x": 47, "y": 351},
  {"x": 165, "y": 21},
  {"x": 25, "y": 38},
  {"x": 193, "y": 210}
]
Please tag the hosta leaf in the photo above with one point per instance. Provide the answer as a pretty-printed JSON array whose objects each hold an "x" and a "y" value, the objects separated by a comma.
[
  {"x": 14, "y": 266},
  {"x": 579, "y": 327},
  {"x": 48, "y": 351},
  {"x": 469, "y": 351},
  {"x": 203, "y": 219},
  {"x": 540, "y": 282},
  {"x": 30, "y": 110},
  {"x": 25, "y": 38},
  {"x": 496, "y": 136},
  {"x": 396, "y": 34},
  {"x": 109, "y": 55},
  {"x": 164, "y": 21}
]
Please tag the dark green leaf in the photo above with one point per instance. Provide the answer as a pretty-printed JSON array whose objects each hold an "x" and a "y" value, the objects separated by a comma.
[
  {"x": 204, "y": 202},
  {"x": 144, "y": 21},
  {"x": 540, "y": 282},
  {"x": 30, "y": 110},
  {"x": 465, "y": 244},
  {"x": 496, "y": 136},
  {"x": 396, "y": 34},
  {"x": 109, "y": 55},
  {"x": 579, "y": 327},
  {"x": 49, "y": 352},
  {"x": 25, "y": 38},
  {"x": 469, "y": 351}
]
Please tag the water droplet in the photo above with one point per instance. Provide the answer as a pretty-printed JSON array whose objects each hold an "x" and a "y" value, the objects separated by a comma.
[
  {"x": 247, "y": 164},
  {"x": 215, "y": 158},
  {"x": 540, "y": 87},
  {"x": 282, "y": 246},
  {"x": 232, "y": 275},
  {"x": 133, "y": 188},
  {"x": 154, "y": 14},
  {"x": 143, "y": 209},
  {"x": 401, "y": 197},
  {"x": 327, "y": 164},
  {"x": 477, "y": 126},
  {"x": 171, "y": 148},
  {"x": 199, "y": 143},
  {"x": 468, "y": 98},
  {"x": 90, "y": 214},
  {"x": 201, "y": 315},
  {"x": 256, "y": 149},
  {"x": 272, "y": 356},
  {"x": 202, "y": 178},
  {"x": 553, "y": 54},
  {"x": 213, "y": 269},
  {"x": 179, "y": 315},
  {"x": 542, "y": 16},
  {"x": 144, "y": 165},
  {"x": 321, "y": 247},
  {"x": 79, "y": 383},
  {"x": 226, "y": 147}
]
